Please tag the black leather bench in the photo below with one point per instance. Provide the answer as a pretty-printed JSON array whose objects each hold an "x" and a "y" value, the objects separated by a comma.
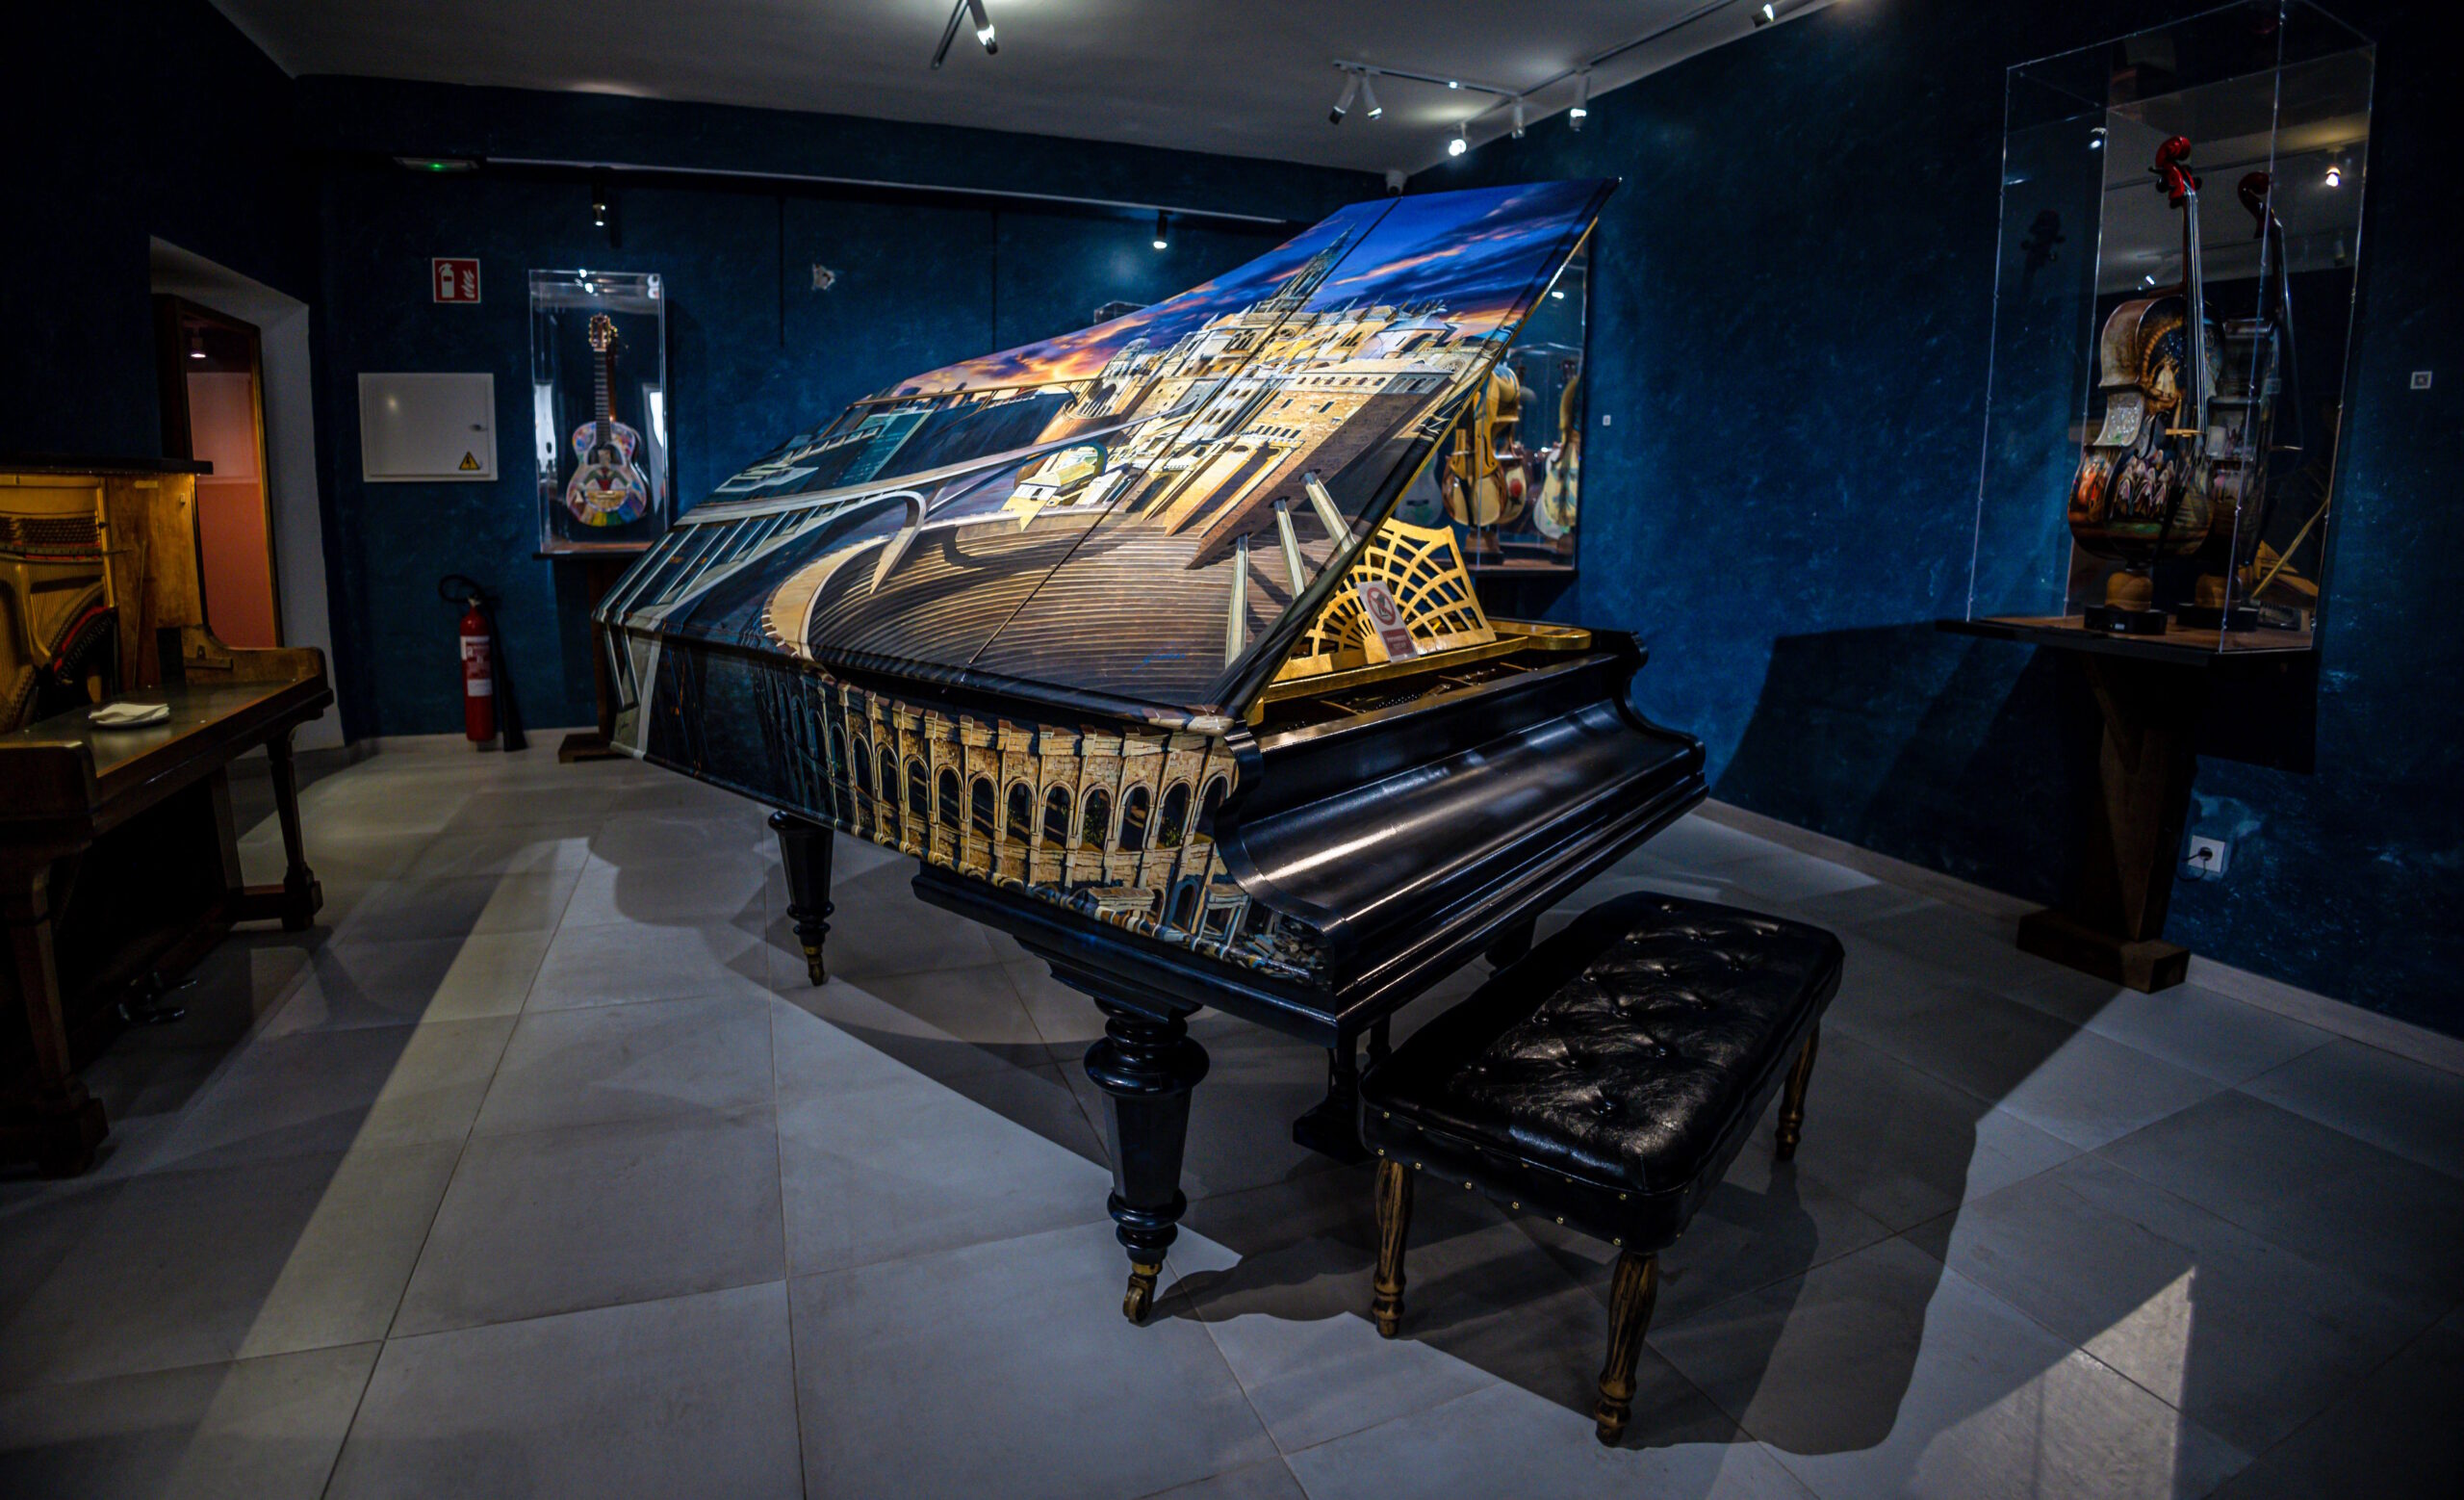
[{"x": 1606, "y": 1079}]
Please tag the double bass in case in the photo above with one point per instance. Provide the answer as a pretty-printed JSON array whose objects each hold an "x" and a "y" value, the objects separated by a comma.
[{"x": 1117, "y": 634}]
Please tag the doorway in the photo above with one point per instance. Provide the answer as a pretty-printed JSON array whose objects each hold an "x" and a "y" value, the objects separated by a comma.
[{"x": 211, "y": 371}]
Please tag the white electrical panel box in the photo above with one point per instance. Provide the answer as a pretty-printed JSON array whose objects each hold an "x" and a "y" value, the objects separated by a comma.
[{"x": 424, "y": 427}]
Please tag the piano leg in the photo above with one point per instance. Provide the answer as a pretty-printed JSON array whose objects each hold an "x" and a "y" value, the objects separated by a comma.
[
  {"x": 805, "y": 849},
  {"x": 63, "y": 1123},
  {"x": 301, "y": 895},
  {"x": 1331, "y": 1126},
  {"x": 1146, "y": 1066}
]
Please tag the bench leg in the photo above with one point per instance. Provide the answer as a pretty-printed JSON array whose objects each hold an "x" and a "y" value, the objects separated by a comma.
[
  {"x": 1793, "y": 1104},
  {"x": 1630, "y": 1314},
  {"x": 1394, "y": 1225}
]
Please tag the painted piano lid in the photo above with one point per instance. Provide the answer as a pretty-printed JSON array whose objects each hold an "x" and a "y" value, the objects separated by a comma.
[{"x": 1139, "y": 517}]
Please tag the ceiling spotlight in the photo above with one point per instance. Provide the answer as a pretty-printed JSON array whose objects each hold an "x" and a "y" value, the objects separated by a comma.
[
  {"x": 2335, "y": 174},
  {"x": 599, "y": 194},
  {"x": 1453, "y": 83},
  {"x": 1369, "y": 97},
  {"x": 965, "y": 11},
  {"x": 1765, "y": 13},
  {"x": 1581, "y": 110},
  {"x": 2096, "y": 138},
  {"x": 1342, "y": 100},
  {"x": 1518, "y": 117},
  {"x": 1459, "y": 144},
  {"x": 1163, "y": 230},
  {"x": 196, "y": 346}
]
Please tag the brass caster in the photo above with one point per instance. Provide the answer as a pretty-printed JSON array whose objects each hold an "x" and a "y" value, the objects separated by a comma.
[
  {"x": 1390, "y": 1324},
  {"x": 1787, "y": 1145},
  {"x": 813, "y": 970},
  {"x": 1609, "y": 1428},
  {"x": 1140, "y": 1301}
]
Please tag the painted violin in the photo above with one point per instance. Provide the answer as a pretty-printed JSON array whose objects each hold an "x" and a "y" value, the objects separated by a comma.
[{"x": 2142, "y": 491}]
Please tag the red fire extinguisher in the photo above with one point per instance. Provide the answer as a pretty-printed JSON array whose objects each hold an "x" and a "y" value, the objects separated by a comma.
[{"x": 478, "y": 681}]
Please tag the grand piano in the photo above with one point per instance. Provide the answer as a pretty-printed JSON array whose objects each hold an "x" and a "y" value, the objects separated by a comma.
[{"x": 1118, "y": 634}]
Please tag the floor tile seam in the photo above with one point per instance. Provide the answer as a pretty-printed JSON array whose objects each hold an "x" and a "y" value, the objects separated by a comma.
[
  {"x": 1854, "y": 1033},
  {"x": 2193, "y": 1209},
  {"x": 2236, "y": 1083},
  {"x": 2304, "y": 1425},
  {"x": 189, "y": 1165},
  {"x": 391, "y": 1339},
  {"x": 427, "y": 1231},
  {"x": 732, "y": 1111},
  {"x": 786, "y": 1266},
  {"x": 781, "y": 1278},
  {"x": 677, "y": 1116},
  {"x": 682, "y": 923},
  {"x": 2373, "y": 1283},
  {"x": 185, "y": 1367},
  {"x": 951, "y": 1249},
  {"x": 1979, "y": 1289},
  {"x": 1278, "y": 1459},
  {"x": 2451, "y": 1174},
  {"x": 1246, "y": 1399},
  {"x": 2003, "y": 1104}
]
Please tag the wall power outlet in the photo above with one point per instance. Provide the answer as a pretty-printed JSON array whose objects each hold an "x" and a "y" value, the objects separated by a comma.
[{"x": 2207, "y": 859}]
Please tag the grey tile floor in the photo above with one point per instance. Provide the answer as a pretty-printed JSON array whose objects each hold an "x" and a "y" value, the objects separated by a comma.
[{"x": 538, "y": 1169}]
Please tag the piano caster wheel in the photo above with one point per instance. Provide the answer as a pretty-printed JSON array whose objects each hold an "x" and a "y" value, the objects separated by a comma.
[
  {"x": 813, "y": 968},
  {"x": 1140, "y": 1298}
]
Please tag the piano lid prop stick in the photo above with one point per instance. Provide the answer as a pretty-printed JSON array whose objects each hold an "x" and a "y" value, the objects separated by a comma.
[
  {"x": 1236, "y": 620},
  {"x": 1328, "y": 515},
  {"x": 1291, "y": 546}
]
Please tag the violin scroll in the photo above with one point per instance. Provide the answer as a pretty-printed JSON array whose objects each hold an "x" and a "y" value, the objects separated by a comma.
[
  {"x": 2172, "y": 170},
  {"x": 2253, "y": 192}
]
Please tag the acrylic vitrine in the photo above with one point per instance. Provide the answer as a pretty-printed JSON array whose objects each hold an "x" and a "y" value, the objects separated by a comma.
[
  {"x": 1509, "y": 478},
  {"x": 599, "y": 410},
  {"x": 2181, "y": 219}
]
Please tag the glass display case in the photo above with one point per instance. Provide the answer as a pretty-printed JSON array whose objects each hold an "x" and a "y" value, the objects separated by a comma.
[
  {"x": 1509, "y": 478},
  {"x": 2181, "y": 217},
  {"x": 598, "y": 406}
]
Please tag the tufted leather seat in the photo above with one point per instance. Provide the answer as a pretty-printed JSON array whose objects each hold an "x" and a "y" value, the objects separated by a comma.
[
  {"x": 1607, "y": 1078},
  {"x": 1611, "y": 1074}
]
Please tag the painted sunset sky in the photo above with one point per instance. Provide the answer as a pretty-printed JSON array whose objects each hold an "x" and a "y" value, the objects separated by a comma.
[{"x": 1478, "y": 252}]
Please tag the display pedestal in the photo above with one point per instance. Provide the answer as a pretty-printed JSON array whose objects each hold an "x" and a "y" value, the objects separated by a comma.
[
  {"x": 2150, "y": 701},
  {"x": 2131, "y": 846},
  {"x": 599, "y": 576}
]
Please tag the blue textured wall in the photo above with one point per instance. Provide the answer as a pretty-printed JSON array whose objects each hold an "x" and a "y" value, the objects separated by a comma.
[
  {"x": 1791, "y": 315},
  {"x": 122, "y": 120},
  {"x": 754, "y": 353}
]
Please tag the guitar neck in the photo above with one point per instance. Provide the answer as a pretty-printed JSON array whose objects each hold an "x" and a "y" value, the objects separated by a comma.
[{"x": 603, "y": 386}]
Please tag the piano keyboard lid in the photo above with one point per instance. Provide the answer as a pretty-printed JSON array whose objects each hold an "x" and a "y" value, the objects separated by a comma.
[{"x": 1139, "y": 517}]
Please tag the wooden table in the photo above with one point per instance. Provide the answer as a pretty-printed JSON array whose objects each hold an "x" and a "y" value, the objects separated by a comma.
[
  {"x": 2152, "y": 693},
  {"x": 119, "y": 861}
]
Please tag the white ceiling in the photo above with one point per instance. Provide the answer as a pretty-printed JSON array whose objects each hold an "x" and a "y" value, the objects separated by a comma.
[{"x": 1240, "y": 77}]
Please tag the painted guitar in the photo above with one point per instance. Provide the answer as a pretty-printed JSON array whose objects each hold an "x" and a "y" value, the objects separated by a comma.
[{"x": 608, "y": 487}]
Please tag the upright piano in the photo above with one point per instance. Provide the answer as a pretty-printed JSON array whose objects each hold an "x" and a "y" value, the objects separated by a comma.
[
  {"x": 119, "y": 864},
  {"x": 1118, "y": 634}
]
